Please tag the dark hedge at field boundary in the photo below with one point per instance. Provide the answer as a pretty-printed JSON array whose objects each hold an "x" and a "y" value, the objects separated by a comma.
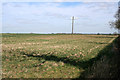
[{"x": 109, "y": 60}]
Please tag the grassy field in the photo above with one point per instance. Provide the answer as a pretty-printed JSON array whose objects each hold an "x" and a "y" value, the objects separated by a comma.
[{"x": 50, "y": 56}]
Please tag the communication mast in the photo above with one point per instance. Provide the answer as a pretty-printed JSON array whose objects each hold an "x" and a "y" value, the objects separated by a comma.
[{"x": 72, "y": 24}]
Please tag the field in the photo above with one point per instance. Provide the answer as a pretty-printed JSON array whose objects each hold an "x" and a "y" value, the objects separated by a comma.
[{"x": 50, "y": 56}]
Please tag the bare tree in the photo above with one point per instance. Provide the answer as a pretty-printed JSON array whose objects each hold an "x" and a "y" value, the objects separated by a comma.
[{"x": 116, "y": 23}]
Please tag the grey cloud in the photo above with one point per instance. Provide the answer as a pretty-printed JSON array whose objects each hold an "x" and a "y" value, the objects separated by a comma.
[
  {"x": 57, "y": 15},
  {"x": 30, "y": 21}
]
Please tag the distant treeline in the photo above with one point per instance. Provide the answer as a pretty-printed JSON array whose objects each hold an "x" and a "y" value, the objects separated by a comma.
[{"x": 67, "y": 33}]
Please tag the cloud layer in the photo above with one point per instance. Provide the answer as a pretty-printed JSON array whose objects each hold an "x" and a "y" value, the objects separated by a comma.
[
  {"x": 60, "y": 0},
  {"x": 56, "y": 17}
]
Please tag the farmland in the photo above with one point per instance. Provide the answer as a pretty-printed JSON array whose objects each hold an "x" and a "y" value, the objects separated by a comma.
[{"x": 50, "y": 56}]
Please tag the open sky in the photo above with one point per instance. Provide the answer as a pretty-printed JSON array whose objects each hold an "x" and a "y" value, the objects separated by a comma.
[{"x": 55, "y": 17}]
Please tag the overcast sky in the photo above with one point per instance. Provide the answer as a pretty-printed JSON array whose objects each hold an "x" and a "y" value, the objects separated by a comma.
[{"x": 43, "y": 17}]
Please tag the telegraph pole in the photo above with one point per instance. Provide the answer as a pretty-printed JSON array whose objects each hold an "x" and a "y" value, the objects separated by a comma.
[{"x": 72, "y": 24}]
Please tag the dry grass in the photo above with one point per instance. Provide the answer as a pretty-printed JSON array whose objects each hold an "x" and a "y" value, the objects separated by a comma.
[{"x": 48, "y": 56}]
